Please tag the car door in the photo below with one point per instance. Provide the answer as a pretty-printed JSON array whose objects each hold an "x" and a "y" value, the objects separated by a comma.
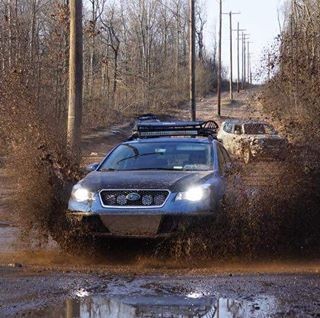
[
  {"x": 236, "y": 142},
  {"x": 222, "y": 166}
]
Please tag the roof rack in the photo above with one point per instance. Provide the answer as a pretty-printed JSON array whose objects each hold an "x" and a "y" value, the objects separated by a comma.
[
  {"x": 175, "y": 129},
  {"x": 148, "y": 116}
]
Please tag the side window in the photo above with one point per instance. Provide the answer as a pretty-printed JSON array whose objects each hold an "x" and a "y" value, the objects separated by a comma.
[
  {"x": 227, "y": 127},
  {"x": 237, "y": 129}
]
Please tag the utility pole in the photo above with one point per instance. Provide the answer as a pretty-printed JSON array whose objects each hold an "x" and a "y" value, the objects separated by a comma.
[
  {"x": 75, "y": 78},
  {"x": 231, "y": 57},
  {"x": 192, "y": 53},
  {"x": 269, "y": 69},
  {"x": 238, "y": 30},
  {"x": 244, "y": 57},
  {"x": 238, "y": 57},
  {"x": 248, "y": 62},
  {"x": 231, "y": 54},
  {"x": 244, "y": 61},
  {"x": 250, "y": 70},
  {"x": 219, "y": 61}
]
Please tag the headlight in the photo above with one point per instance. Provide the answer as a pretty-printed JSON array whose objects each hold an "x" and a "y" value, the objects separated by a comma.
[
  {"x": 259, "y": 142},
  {"x": 81, "y": 194},
  {"x": 194, "y": 194}
]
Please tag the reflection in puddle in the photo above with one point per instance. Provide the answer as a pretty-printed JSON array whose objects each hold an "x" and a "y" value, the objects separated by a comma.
[
  {"x": 167, "y": 306},
  {"x": 81, "y": 293}
]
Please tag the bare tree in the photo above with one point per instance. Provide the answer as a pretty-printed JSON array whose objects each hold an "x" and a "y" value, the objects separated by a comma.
[{"x": 135, "y": 56}]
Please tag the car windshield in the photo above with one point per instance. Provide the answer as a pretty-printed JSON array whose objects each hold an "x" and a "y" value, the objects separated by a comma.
[
  {"x": 187, "y": 156},
  {"x": 258, "y": 129}
]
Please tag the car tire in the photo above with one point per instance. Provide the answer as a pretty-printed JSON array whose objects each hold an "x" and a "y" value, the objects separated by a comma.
[
  {"x": 282, "y": 157},
  {"x": 247, "y": 155}
]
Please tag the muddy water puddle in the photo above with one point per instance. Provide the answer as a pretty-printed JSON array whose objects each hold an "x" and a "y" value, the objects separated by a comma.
[
  {"x": 188, "y": 306},
  {"x": 68, "y": 295},
  {"x": 9, "y": 234}
]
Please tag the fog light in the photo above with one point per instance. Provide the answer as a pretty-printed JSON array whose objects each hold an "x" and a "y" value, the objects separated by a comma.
[
  {"x": 110, "y": 199},
  {"x": 121, "y": 199},
  {"x": 147, "y": 200},
  {"x": 159, "y": 199}
]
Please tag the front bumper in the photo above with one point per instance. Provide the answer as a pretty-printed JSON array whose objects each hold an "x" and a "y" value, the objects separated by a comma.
[
  {"x": 175, "y": 215},
  {"x": 168, "y": 225}
]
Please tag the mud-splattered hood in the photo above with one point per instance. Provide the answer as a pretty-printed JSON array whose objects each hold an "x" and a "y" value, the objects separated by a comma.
[
  {"x": 171, "y": 180},
  {"x": 267, "y": 138}
]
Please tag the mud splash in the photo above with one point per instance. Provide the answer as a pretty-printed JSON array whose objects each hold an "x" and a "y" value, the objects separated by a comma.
[
  {"x": 38, "y": 169},
  {"x": 270, "y": 210}
]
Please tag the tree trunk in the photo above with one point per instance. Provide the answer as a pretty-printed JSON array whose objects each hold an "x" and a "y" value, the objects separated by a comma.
[
  {"x": 92, "y": 50},
  {"x": 115, "y": 79}
]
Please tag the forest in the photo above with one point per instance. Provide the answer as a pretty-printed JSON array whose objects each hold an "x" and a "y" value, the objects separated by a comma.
[
  {"x": 294, "y": 62},
  {"x": 135, "y": 55}
]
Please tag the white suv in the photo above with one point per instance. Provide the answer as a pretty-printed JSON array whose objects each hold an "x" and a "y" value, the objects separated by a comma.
[{"x": 250, "y": 140}]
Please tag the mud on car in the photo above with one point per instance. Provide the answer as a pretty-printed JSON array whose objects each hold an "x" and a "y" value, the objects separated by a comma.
[
  {"x": 252, "y": 140},
  {"x": 167, "y": 175}
]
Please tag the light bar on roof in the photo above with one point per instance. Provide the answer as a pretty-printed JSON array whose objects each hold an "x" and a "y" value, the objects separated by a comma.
[
  {"x": 168, "y": 133},
  {"x": 178, "y": 128}
]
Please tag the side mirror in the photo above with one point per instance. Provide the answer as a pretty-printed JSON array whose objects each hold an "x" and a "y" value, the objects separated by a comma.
[{"x": 91, "y": 167}]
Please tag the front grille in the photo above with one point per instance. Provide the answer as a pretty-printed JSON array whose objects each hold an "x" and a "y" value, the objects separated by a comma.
[
  {"x": 133, "y": 198},
  {"x": 273, "y": 143}
]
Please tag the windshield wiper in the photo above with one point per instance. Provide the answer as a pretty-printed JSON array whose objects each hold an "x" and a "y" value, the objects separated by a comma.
[
  {"x": 138, "y": 155},
  {"x": 108, "y": 169},
  {"x": 167, "y": 169}
]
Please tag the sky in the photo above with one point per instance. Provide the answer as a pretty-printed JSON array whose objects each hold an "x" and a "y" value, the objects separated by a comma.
[{"x": 258, "y": 17}]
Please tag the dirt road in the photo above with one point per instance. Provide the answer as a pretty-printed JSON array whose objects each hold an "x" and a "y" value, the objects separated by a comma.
[{"x": 43, "y": 281}]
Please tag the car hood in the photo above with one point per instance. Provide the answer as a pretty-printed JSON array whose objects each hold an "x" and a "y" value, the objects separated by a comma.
[
  {"x": 171, "y": 180},
  {"x": 265, "y": 137}
]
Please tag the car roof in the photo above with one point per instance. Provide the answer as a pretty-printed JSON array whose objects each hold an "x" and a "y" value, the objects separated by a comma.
[
  {"x": 169, "y": 139},
  {"x": 244, "y": 121}
]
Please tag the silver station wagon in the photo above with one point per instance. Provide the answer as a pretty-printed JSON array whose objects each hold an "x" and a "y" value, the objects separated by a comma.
[{"x": 167, "y": 176}]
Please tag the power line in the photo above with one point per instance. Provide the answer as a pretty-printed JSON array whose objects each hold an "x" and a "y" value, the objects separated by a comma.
[{"x": 238, "y": 30}]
